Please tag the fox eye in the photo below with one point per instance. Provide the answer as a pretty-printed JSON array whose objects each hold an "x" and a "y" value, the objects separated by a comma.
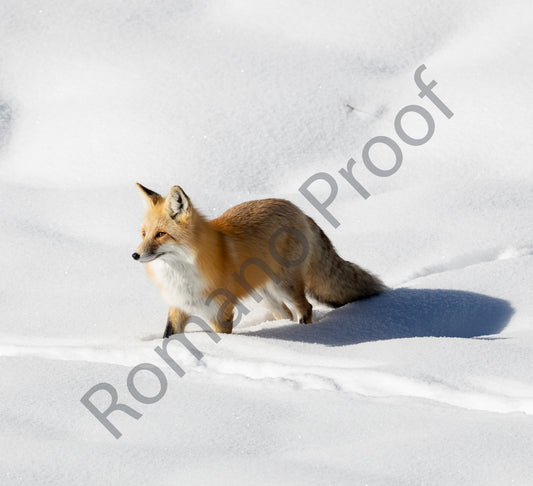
[
  {"x": 160, "y": 234},
  {"x": 143, "y": 233}
]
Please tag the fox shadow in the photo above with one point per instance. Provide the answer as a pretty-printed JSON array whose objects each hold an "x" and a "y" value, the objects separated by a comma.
[{"x": 401, "y": 313}]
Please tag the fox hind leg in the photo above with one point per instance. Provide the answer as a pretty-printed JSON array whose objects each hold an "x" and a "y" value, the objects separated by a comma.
[
  {"x": 278, "y": 308},
  {"x": 305, "y": 311},
  {"x": 285, "y": 312},
  {"x": 294, "y": 288}
]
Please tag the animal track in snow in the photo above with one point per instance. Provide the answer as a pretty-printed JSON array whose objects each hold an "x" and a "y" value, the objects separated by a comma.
[
  {"x": 463, "y": 261},
  {"x": 308, "y": 372}
]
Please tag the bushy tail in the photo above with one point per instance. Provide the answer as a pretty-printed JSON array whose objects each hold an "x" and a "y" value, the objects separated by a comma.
[{"x": 334, "y": 281}]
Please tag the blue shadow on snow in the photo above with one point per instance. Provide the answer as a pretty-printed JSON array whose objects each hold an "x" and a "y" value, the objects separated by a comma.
[{"x": 402, "y": 313}]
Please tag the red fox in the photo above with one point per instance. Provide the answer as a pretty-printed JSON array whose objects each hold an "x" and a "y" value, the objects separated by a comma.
[{"x": 268, "y": 249}]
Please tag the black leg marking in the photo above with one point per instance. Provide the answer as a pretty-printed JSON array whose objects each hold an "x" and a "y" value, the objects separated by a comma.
[{"x": 168, "y": 330}]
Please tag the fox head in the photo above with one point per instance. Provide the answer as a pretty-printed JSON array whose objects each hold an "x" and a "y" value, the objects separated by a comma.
[{"x": 167, "y": 229}]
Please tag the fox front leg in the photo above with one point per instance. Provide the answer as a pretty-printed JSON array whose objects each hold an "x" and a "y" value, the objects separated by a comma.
[
  {"x": 176, "y": 321},
  {"x": 223, "y": 323}
]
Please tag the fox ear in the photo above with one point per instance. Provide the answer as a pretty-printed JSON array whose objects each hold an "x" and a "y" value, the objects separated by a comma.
[
  {"x": 150, "y": 198},
  {"x": 177, "y": 202}
]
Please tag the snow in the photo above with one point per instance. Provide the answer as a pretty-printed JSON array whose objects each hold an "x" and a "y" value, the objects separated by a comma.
[{"x": 430, "y": 383}]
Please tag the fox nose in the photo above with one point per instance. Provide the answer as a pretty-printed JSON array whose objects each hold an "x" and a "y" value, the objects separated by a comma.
[{"x": 136, "y": 256}]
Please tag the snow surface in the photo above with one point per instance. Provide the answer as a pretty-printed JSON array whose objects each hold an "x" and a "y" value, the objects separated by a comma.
[{"x": 430, "y": 383}]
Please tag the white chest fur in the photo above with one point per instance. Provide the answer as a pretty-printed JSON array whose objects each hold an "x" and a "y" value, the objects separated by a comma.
[{"x": 181, "y": 284}]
